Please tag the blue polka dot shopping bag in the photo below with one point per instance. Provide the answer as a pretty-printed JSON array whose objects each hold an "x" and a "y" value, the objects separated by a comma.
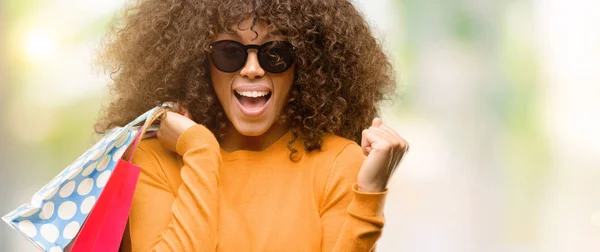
[{"x": 86, "y": 206}]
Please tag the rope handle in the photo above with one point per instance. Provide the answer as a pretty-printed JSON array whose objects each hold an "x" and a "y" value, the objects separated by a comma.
[{"x": 159, "y": 113}]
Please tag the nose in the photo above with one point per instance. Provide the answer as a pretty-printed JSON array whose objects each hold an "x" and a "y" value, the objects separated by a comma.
[{"x": 252, "y": 69}]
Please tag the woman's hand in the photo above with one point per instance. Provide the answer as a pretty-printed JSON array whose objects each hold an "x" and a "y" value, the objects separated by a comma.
[
  {"x": 384, "y": 149},
  {"x": 172, "y": 125}
]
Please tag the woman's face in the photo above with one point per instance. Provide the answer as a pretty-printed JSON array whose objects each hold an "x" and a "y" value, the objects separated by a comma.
[{"x": 251, "y": 97}]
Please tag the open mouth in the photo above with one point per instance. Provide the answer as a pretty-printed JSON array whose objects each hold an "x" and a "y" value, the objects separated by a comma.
[{"x": 253, "y": 100}]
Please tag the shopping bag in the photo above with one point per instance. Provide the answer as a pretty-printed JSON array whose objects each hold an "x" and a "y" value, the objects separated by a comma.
[
  {"x": 104, "y": 226},
  {"x": 55, "y": 214}
]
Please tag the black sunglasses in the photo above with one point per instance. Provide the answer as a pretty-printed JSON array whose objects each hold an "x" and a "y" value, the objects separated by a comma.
[{"x": 230, "y": 56}]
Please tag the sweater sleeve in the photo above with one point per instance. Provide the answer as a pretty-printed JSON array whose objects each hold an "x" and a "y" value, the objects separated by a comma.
[
  {"x": 161, "y": 220},
  {"x": 351, "y": 220}
]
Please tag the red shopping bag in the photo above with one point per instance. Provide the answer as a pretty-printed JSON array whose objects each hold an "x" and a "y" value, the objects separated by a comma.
[{"x": 103, "y": 229}]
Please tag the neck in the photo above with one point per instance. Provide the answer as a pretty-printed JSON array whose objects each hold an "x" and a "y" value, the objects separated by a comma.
[{"x": 233, "y": 140}]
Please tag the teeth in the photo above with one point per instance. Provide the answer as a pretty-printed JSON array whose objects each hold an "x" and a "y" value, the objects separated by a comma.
[{"x": 252, "y": 94}]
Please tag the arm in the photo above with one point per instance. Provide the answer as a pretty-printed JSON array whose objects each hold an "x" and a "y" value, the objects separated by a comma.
[
  {"x": 159, "y": 221},
  {"x": 351, "y": 220}
]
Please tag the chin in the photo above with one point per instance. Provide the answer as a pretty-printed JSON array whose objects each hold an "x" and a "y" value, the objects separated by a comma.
[{"x": 252, "y": 129}]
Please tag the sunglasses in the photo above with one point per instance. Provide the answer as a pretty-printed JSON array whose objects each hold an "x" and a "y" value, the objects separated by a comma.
[{"x": 230, "y": 56}]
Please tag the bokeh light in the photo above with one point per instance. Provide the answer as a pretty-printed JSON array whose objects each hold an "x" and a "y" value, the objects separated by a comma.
[{"x": 39, "y": 45}]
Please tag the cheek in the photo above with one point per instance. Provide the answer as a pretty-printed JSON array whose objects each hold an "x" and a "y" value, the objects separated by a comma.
[
  {"x": 285, "y": 82},
  {"x": 220, "y": 85}
]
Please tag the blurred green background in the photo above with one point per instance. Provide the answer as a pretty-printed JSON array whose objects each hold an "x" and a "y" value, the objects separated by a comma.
[{"x": 498, "y": 99}]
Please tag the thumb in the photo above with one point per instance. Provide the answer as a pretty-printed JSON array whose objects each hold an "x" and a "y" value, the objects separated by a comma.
[
  {"x": 376, "y": 122},
  {"x": 181, "y": 110},
  {"x": 185, "y": 112}
]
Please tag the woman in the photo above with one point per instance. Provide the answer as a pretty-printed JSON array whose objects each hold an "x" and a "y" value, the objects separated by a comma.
[{"x": 273, "y": 99}]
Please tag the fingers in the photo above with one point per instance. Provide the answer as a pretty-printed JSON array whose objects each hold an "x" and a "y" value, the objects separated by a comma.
[
  {"x": 162, "y": 122},
  {"x": 390, "y": 131},
  {"x": 365, "y": 142},
  {"x": 402, "y": 144},
  {"x": 176, "y": 107},
  {"x": 394, "y": 136},
  {"x": 398, "y": 140},
  {"x": 366, "y": 146},
  {"x": 389, "y": 138},
  {"x": 186, "y": 113},
  {"x": 377, "y": 139},
  {"x": 181, "y": 110},
  {"x": 385, "y": 138},
  {"x": 376, "y": 122}
]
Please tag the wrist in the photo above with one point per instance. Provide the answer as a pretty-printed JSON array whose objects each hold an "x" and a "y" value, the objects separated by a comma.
[{"x": 371, "y": 187}]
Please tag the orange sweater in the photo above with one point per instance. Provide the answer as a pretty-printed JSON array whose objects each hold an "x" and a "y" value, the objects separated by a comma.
[{"x": 205, "y": 199}]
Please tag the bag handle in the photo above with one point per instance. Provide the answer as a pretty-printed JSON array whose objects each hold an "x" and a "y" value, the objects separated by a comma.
[
  {"x": 151, "y": 116},
  {"x": 148, "y": 114}
]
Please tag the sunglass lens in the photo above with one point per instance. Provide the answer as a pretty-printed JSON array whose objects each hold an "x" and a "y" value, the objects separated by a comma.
[
  {"x": 276, "y": 56},
  {"x": 228, "y": 56}
]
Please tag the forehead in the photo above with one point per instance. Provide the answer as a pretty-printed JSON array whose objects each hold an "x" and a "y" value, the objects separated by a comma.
[{"x": 251, "y": 31}]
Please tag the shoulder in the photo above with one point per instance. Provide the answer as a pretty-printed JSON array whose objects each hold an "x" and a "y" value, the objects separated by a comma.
[
  {"x": 335, "y": 150},
  {"x": 335, "y": 146},
  {"x": 336, "y": 168},
  {"x": 152, "y": 148},
  {"x": 154, "y": 159},
  {"x": 339, "y": 159}
]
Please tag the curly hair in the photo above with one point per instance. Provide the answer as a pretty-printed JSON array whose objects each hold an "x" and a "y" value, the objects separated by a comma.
[{"x": 156, "y": 51}]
